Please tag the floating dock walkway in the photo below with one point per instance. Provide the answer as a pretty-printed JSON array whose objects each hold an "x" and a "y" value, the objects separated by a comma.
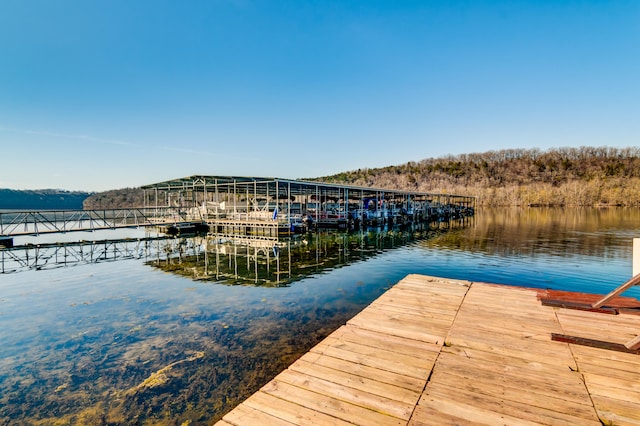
[{"x": 437, "y": 351}]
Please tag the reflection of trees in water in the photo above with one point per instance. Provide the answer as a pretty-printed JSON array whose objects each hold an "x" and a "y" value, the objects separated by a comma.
[
  {"x": 600, "y": 232},
  {"x": 276, "y": 263}
]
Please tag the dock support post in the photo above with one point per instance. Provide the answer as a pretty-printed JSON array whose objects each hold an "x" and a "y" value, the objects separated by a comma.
[
  {"x": 636, "y": 256},
  {"x": 205, "y": 203},
  {"x": 317, "y": 205},
  {"x": 235, "y": 200},
  {"x": 289, "y": 205},
  {"x": 215, "y": 182}
]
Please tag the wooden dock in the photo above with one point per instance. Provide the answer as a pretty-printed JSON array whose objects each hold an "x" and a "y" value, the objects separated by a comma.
[{"x": 437, "y": 351}]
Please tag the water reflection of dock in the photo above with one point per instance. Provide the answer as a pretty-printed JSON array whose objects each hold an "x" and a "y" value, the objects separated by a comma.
[
  {"x": 437, "y": 351},
  {"x": 231, "y": 257},
  {"x": 276, "y": 262},
  {"x": 64, "y": 254}
]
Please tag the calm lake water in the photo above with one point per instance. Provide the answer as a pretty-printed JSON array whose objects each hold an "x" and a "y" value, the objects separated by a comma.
[{"x": 166, "y": 331}]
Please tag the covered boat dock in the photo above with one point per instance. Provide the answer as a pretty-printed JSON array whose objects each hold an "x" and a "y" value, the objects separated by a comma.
[{"x": 268, "y": 206}]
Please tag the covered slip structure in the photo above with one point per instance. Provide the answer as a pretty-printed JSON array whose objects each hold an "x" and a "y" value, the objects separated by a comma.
[{"x": 268, "y": 206}]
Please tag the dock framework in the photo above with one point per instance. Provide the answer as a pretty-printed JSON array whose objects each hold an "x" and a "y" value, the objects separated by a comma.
[{"x": 267, "y": 206}]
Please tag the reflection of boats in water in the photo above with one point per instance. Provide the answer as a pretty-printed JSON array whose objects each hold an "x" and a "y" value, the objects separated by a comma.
[
  {"x": 218, "y": 256},
  {"x": 276, "y": 262},
  {"x": 184, "y": 228}
]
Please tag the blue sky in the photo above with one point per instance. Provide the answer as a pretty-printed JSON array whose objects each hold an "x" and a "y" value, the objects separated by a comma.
[{"x": 98, "y": 95}]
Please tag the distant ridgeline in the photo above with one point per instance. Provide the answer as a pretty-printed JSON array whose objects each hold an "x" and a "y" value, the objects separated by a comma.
[
  {"x": 584, "y": 176},
  {"x": 42, "y": 199}
]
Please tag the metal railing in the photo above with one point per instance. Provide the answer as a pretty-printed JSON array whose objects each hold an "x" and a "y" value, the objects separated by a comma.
[{"x": 51, "y": 221}]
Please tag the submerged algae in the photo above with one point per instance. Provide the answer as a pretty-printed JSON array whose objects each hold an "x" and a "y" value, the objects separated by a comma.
[{"x": 160, "y": 377}]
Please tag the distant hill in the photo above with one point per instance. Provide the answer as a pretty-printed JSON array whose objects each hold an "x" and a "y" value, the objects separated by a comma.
[{"x": 42, "y": 199}]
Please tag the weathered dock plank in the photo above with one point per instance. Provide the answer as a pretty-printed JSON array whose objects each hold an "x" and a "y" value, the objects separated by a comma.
[
  {"x": 522, "y": 373},
  {"x": 290, "y": 411},
  {"x": 366, "y": 384},
  {"x": 248, "y": 415},
  {"x": 382, "y": 360},
  {"x": 358, "y": 370},
  {"x": 487, "y": 405},
  {"x": 437, "y": 351},
  {"x": 332, "y": 404}
]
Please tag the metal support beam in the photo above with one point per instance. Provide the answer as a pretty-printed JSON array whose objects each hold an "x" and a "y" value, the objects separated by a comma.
[{"x": 636, "y": 256}]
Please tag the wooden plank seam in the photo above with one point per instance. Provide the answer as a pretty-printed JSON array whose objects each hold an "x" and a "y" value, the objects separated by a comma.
[{"x": 444, "y": 343}]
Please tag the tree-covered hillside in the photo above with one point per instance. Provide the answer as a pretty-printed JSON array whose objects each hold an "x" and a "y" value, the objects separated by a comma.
[
  {"x": 116, "y": 198},
  {"x": 582, "y": 176},
  {"x": 43, "y": 199}
]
